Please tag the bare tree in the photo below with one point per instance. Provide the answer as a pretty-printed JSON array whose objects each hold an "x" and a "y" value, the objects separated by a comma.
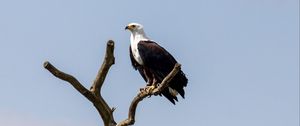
[{"x": 94, "y": 94}]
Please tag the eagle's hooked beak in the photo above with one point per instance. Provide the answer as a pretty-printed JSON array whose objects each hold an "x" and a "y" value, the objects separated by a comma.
[{"x": 127, "y": 27}]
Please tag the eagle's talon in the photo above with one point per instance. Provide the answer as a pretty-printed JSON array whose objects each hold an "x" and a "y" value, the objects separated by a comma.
[{"x": 149, "y": 89}]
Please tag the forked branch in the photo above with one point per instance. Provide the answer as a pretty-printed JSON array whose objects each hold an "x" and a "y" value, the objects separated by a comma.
[{"x": 94, "y": 94}]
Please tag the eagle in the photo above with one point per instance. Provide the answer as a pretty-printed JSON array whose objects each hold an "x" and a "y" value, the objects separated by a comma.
[{"x": 154, "y": 63}]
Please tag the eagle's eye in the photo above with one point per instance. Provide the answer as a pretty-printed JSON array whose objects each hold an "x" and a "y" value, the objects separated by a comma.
[{"x": 133, "y": 26}]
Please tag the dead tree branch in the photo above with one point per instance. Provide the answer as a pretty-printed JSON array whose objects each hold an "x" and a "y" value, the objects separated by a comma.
[{"x": 94, "y": 94}]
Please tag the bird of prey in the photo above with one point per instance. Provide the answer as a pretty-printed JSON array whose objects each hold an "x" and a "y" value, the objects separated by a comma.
[{"x": 154, "y": 63}]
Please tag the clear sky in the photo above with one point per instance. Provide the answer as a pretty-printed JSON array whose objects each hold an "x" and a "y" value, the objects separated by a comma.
[{"x": 241, "y": 58}]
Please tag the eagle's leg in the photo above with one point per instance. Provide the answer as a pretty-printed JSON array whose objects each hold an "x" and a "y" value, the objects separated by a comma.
[
  {"x": 149, "y": 80},
  {"x": 148, "y": 77},
  {"x": 154, "y": 82},
  {"x": 153, "y": 85}
]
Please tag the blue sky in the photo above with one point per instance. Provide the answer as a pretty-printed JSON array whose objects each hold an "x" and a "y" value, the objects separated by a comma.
[{"x": 241, "y": 58}]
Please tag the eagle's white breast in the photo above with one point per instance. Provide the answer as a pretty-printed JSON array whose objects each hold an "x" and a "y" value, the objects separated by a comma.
[{"x": 134, "y": 48}]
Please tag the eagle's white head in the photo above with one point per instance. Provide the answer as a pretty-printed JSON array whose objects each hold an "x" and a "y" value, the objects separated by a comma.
[
  {"x": 137, "y": 32},
  {"x": 134, "y": 27}
]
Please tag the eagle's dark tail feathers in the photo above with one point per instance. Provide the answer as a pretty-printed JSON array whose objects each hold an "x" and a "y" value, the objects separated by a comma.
[{"x": 177, "y": 83}]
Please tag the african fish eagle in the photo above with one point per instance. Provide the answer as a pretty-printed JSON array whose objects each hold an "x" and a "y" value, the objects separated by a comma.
[{"x": 154, "y": 62}]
